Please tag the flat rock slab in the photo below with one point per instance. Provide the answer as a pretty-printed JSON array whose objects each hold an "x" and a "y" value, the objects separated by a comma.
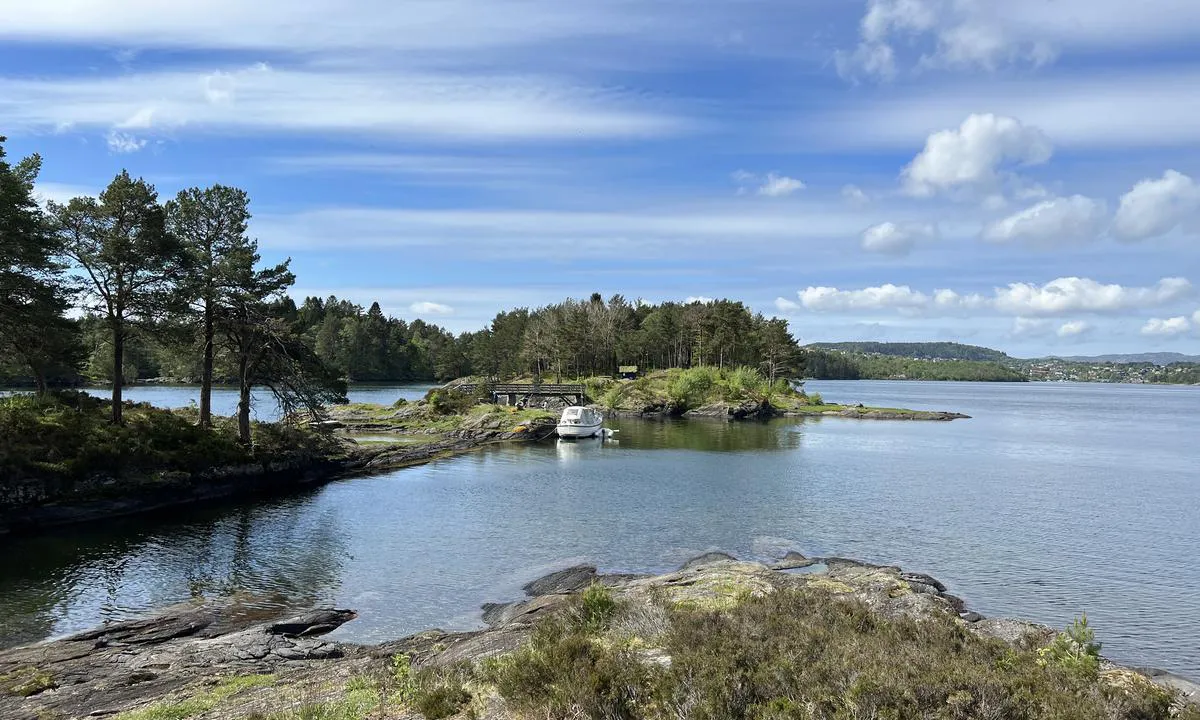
[{"x": 124, "y": 665}]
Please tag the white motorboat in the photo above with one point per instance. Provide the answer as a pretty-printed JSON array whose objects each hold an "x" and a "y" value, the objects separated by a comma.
[{"x": 580, "y": 422}]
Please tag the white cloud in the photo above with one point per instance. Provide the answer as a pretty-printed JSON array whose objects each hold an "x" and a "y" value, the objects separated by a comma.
[
  {"x": 889, "y": 296},
  {"x": 120, "y": 142},
  {"x": 974, "y": 155},
  {"x": 1169, "y": 327},
  {"x": 698, "y": 299},
  {"x": 1023, "y": 300},
  {"x": 1156, "y": 207},
  {"x": 890, "y": 238},
  {"x": 770, "y": 185},
  {"x": 855, "y": 195},
  {"x": 971, "y": 34},
  {"x": 260, "y": 99},
  {"x": 61, "y": 193},
  {"x": 784, "y": 305},
  {"x": 1073, "y": 294},
  {"x": 425, "y": 307},
  {"x": 779, "y": 185},
  {"x": 1074, "y": 329},
  {"x": 1059, "y": 221},
  {"x": 1196, "y": 318},
  {"x": 1030, "y": 326}
]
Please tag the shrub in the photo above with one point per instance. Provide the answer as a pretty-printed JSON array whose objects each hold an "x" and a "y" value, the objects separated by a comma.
[
  {"x": 449, "y": 402},
  {"x": 441, "y": 701},
  {"x": 799, "y": 654},
  {"x": 745, "y": 382},
  {"x": 439, "y": 692},
  {"x": 690, "y": 388},
  {"x": 596, "y": 607},
  {"x": 1074, "y": 650}
]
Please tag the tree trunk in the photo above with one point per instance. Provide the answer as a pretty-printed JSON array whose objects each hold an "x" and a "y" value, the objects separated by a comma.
[
  {"x": 244, "y": 402},
  {"x": 244, "y": 415},
  {"x": 206, "y": 372},
  {"x": 118, "y": 372}
]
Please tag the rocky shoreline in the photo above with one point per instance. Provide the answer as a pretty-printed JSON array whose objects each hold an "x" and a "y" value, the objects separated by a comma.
[
  {"x": 752, "y": 410},
  {"x": 36, "y": 506},
  {"x": 230, "y": 659}
]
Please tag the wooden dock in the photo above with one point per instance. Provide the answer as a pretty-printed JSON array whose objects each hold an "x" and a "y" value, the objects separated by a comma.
[{"x": 528, "y": 394}]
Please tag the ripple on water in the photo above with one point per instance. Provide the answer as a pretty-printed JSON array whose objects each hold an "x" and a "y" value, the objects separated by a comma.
[{"x": 1044, "y": 505}]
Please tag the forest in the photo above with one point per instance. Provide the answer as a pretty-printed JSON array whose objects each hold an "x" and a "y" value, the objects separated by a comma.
[
  {"x": 919, "y": 350},
  {"x": 129, "y": 286}
]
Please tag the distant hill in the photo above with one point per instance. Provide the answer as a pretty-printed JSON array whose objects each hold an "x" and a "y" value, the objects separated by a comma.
[
  {"x": 1158, "y": 358},
  {"x": 922, "y": 351}
]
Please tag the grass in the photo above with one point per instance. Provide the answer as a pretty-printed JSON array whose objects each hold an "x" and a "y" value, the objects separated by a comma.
[
  {"x": 422, "y": 419},
  {"x": 200, "y": 702},
  {"x": 26, "y": 682}
]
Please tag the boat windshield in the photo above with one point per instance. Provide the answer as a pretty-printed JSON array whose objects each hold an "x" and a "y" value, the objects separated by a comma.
[{"x": 573, "y": 413}]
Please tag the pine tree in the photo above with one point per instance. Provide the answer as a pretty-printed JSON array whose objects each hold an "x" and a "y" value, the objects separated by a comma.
[
  {"x": 129, "y": 260},
  {"x": 211, "y": 225},
  {"x": 34, "y": 331}
]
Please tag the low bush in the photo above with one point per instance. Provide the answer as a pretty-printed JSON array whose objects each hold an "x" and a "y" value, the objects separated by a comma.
[
  {"x": 1074, "y": 650},
  {"x": 450, "y": 402},
  {"x": 798, "y": 655},
  {"x": 67, "y": 436}
]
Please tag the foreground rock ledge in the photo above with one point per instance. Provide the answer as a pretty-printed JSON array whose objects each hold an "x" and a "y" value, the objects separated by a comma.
[{"x": 192, "y": 650}]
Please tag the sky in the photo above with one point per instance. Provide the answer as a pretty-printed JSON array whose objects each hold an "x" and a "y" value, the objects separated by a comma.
[{"x": 1023, "y": 175}]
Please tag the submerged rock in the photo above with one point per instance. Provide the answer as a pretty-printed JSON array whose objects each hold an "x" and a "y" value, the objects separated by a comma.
[
  {"x": 793, "y": 561},
  {"x": 707, "y": 559},
  {"x": 562, "y": 581}
]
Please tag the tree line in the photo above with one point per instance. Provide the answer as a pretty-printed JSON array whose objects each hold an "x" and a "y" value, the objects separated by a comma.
[
  {"x": 128, "y": 285},
  {"x": 183, "y": 271}
]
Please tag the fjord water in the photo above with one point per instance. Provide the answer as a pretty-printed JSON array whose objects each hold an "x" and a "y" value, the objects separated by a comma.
[{"x": 1052, "y": 500}]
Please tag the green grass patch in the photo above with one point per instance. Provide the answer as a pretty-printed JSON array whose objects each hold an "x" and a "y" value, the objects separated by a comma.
[
  {"x": 26, "y": 681},
  {"x": 201, "y": 701}
]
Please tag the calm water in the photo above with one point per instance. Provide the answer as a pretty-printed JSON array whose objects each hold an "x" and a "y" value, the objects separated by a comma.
[
  {"x": 1054, "y": 499},
  {"x": 263, "y": 406}
]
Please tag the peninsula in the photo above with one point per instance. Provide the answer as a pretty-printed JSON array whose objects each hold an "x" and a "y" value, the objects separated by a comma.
[{"x": 717, "y": 638}]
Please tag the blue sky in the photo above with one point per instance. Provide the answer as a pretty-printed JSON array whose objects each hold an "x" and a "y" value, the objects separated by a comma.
[{"x": 1024, "y": 175}]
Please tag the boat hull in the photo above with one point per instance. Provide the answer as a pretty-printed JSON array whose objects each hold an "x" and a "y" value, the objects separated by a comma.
[{"x": 578, "y": 431}]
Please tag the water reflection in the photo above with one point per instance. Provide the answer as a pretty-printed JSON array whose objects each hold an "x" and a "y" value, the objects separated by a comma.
[
  {"x": 282, "y": 555},
  {"x": 709, "y": 435},
  {"x": 1044, "y": 505}
]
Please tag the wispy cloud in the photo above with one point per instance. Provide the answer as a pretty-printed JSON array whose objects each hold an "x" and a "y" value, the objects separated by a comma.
[
  {"x": 772, "y": 184},
  {"x": 1089, "y": 108},
  {"x": 123, "y": 143},
  {"x": 260, "y": 99},
  {"x": 426, "y": 307}
]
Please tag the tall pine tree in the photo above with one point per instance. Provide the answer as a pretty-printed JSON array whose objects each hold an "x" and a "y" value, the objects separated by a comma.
[
  {"x": 34, "y": 332},
  {"x": 120, "y": 244},
  {"x": 210, "y": 225}
]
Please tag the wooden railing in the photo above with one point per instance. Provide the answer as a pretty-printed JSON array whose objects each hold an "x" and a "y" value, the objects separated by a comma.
[{"x": 527, "y": 389}]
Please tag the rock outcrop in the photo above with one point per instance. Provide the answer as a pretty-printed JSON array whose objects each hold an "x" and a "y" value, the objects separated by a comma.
[{"x": 239, "y": 661}]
